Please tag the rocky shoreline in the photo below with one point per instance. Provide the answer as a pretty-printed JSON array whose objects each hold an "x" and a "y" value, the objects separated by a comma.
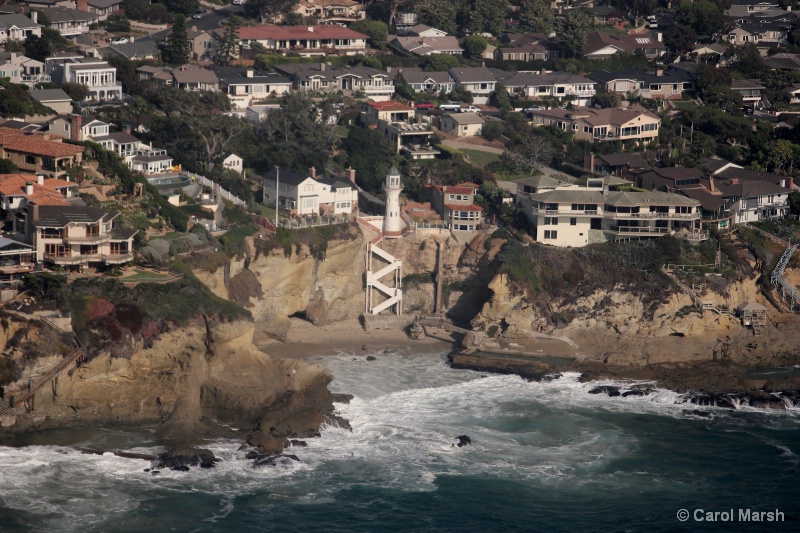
[{"x": 708, "y": 384}]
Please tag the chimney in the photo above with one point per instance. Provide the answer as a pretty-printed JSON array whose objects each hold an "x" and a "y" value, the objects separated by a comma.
[
  {"x": 734, "y": 181},
  {"x": 660, "y": 72},
  {"x": 28, "y": 188},
  {"x": 83, "y": 5},
  {"x": 194, "y": 28},
  {"x": 249, "y": 73},
  {"x": 712, "y": 186},
  {"x": 313, "y": 172},
  {"x": 389, "y": 70},
  {"x": 76, "y": 121},
  {"x": 790, "y": 183},
  {"x": 351, "y": 173},
  {"x": 591, "y": 163},
  {"x": 40, "y": 179},
  {"x": 322, "y": 67},
  {"x": 311, "y": 29},
  {"x": 13, "y": 56},
  {"x": 35, "y": 17},
  {"x": 131, "y": 38}
]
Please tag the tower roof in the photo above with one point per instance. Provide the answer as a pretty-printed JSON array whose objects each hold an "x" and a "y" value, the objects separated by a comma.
[{"x": 393, "y": 171}]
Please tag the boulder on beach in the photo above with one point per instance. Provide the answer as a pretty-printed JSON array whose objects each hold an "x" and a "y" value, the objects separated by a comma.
[
  {"x": 462, "y": 440},
  {"x": 605, "y": 389}
]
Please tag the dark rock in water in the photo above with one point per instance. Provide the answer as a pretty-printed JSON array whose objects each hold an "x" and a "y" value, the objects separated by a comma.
[
  {"x": 338, "y": 397},
  {"x": 697, "y": 412},
  {"x": 605, "y": 389},
  {"x": 184, "y": 457},
  {"x": 551, "y": 377},
  {"x": 635, "y": 392},
  {"x": 274, "y": 460},
  {"x": 180, "y": 468},
  {"x": 155, "y": 472},
  {"x": 713, "y": 400},
  {"x": 337, "y": 422},
  {"x": 146, "y": 469},
  {"x": 371, "y": 358},
  {"x": 252, "y": 454},
  {"x": 463, "y": 440},
  {"x": 296, "y": 442}
]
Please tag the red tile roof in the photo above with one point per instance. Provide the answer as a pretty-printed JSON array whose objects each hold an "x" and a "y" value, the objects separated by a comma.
[
  {"x": 389, "y": 106},
  {"x": 471, "y": 207},
  {"x": 18, "y": 141},
  {"x": 14, "y": 185},
  {"x": 260, "y": 32},
  {"x": 459, "y": 189}
]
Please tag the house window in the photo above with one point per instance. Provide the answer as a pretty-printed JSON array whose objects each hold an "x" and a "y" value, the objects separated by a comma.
[
  {"x": 551, "y": 221},
  {"x": 452, "y": 196},
  {"x": 550, "y": 234},
  {"x": 649, "y": 127},
  {"x": 308, "y": 202},
  {"x": 309, "y": 187},
  {"x": 573, "y": 221}
]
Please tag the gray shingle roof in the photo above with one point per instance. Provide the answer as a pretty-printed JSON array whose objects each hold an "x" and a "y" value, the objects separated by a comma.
[
  {"x": 49, "y": 95},
  {"x": 60, "y": 216}
]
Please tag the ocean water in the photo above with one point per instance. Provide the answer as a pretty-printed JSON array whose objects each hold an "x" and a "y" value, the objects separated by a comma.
[{"x": 544, "y": 457}]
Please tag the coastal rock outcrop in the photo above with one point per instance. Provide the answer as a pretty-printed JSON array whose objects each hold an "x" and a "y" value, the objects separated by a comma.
[{"x": 197, "y": 381}]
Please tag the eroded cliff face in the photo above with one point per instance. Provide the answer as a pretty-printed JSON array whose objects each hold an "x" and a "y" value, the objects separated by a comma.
[
  {"x": 193, "y": 380},
  {"x": 614, "y": 326},
  {"x": 274, "y": 287}
]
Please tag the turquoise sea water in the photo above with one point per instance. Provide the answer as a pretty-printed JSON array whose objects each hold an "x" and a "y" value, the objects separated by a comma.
[{"x": 544, "y": 457}]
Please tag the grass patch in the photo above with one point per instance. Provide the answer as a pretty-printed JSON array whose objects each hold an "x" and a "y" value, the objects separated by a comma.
[
  {"x": 515, "y": 176},
  {"x": 479, "y": 157},
  {"x": 266, "y": 211},
  {"x": 146, "y": 275},
  {"x": 685, "y": 104},
  {"x": 171, "y": 236}
]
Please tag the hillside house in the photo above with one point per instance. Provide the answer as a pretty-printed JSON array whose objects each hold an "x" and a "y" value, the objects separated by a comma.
[
  {"x": 462, "y": 124},
  {"x": 394, "y": 120},
  {"x": 305, "y": 40},
  {"x": 306, "y": 195},
  {"x": 377, "y": 85},
  {"x": 632, "y": 124},
  {"x": 456, "y": 205}
]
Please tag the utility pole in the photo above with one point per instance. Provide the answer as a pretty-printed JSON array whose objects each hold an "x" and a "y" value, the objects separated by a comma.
[{"x": 277, "y": 189}]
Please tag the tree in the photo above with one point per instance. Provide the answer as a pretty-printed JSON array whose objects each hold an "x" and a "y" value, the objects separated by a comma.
[
  {"x": 533, "y": 152},
  {"x": 704, "y": 16},
  {"x": 639, "y": 8},
  {"x": 301, "y": 133},
  {"x": 186, "y": 7},
  {"x": 76, "y": 91},
  {"x": 680, "y": 39},
  {"x": 725, "y": 99},
  {"x": 370, "y": 153},
  {"x": 492, "y": 129},
  {"x": 8, "y": 167},
  {"x": 176, "y": 49},
  {"x": 268, "y": 10},
  {"x": 475, "y": 45},
  {"x": 709, "y": 78},
  {"x": 37, "y": 48},
  {"x": 440, "y": 14},
  {"x": 228, "y": 46},
  {"x": 500, "y": 98},
  {"x": 440, "y": 62},
  {"x": 794, "y": 203},
  {"x": 748, "y": 60},
  {"x": 781, "y": 155},
  {"x": 479, "y": 16},
  {"x": 376, "y": 30},
  {"x": 536, "y": 16},
  {"x": 574, "y": 28},
  {"x": 607, "y": 99}
]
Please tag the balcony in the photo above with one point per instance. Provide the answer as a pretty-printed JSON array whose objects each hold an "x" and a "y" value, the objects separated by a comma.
[
  {"x": 653, "y": 216},
  {"x": 36, "y": 78},
  {"x": 87, "y": 239},
  {"x": 639, "y": 230},
  {"x": 582, "y": 93},
  {"x": 18, "y": 268},
  {"x": 81, "y": 259}
]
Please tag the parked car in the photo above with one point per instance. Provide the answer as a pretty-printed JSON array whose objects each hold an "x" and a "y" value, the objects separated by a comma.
[
  {"x": 532, "y": 108},
  {"x": 120, "y": 40},
  {"x": 424, "y": 105},
  {"x": 200, "y": 13},
  {"x": 450, "y": 106},
  {"x": 238, "y": 2},
  {"x": 469, "y": 109}
]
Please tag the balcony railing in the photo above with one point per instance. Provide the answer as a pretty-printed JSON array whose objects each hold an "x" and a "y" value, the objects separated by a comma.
[
  {"x": 649, "y": 216},
  {"x": 36, "y": 78},
  {"x": 640, "y": 230},
  {"x": 584, "y": 92},
  {"x": 88, "y": 258},
  {"x": 18, "y": 268},
  {"x": 87, "y": 239}
]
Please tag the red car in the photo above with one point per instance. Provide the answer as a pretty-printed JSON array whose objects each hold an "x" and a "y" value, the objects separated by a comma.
[{"x": 424, "y": 105}]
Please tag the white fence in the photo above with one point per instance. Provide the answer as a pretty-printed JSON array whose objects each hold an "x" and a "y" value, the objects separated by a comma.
[{"x": 202, "y": 180}]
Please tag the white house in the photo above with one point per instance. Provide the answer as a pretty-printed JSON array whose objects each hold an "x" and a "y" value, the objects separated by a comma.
[
  {"x": 462, "y": 124},
  {"x": 577, "y": 216},
  {"x": 558, "y": 85},
  {"x": 233, "y": 162},
  {"x": 97, "y": 75},
  {"x": 305, "y": 40},
  {"x": 70, "y": 22},
  {"x": 377, "y": 85},
  {"x": 149, "y": 160},
  {"x": 305, "y": 195},
  {"x": 246, "y": 86},
  {"x": 18, "y": 27},
  {"x": 21, "y": 69},
  {"x": 477, "y": 80}
]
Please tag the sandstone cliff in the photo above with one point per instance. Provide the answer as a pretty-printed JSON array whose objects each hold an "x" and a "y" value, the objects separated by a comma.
[{"x": 194, "y": 381}]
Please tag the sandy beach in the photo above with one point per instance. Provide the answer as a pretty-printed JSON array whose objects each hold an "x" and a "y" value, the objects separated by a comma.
[{"x": 304, "y": 339}]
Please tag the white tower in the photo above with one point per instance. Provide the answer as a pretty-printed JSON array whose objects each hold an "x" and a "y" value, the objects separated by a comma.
[{"x": 392, "y": 223}]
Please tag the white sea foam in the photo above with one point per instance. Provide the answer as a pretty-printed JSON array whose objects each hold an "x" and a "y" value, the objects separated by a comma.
[{"x": 405, "y": 414}]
